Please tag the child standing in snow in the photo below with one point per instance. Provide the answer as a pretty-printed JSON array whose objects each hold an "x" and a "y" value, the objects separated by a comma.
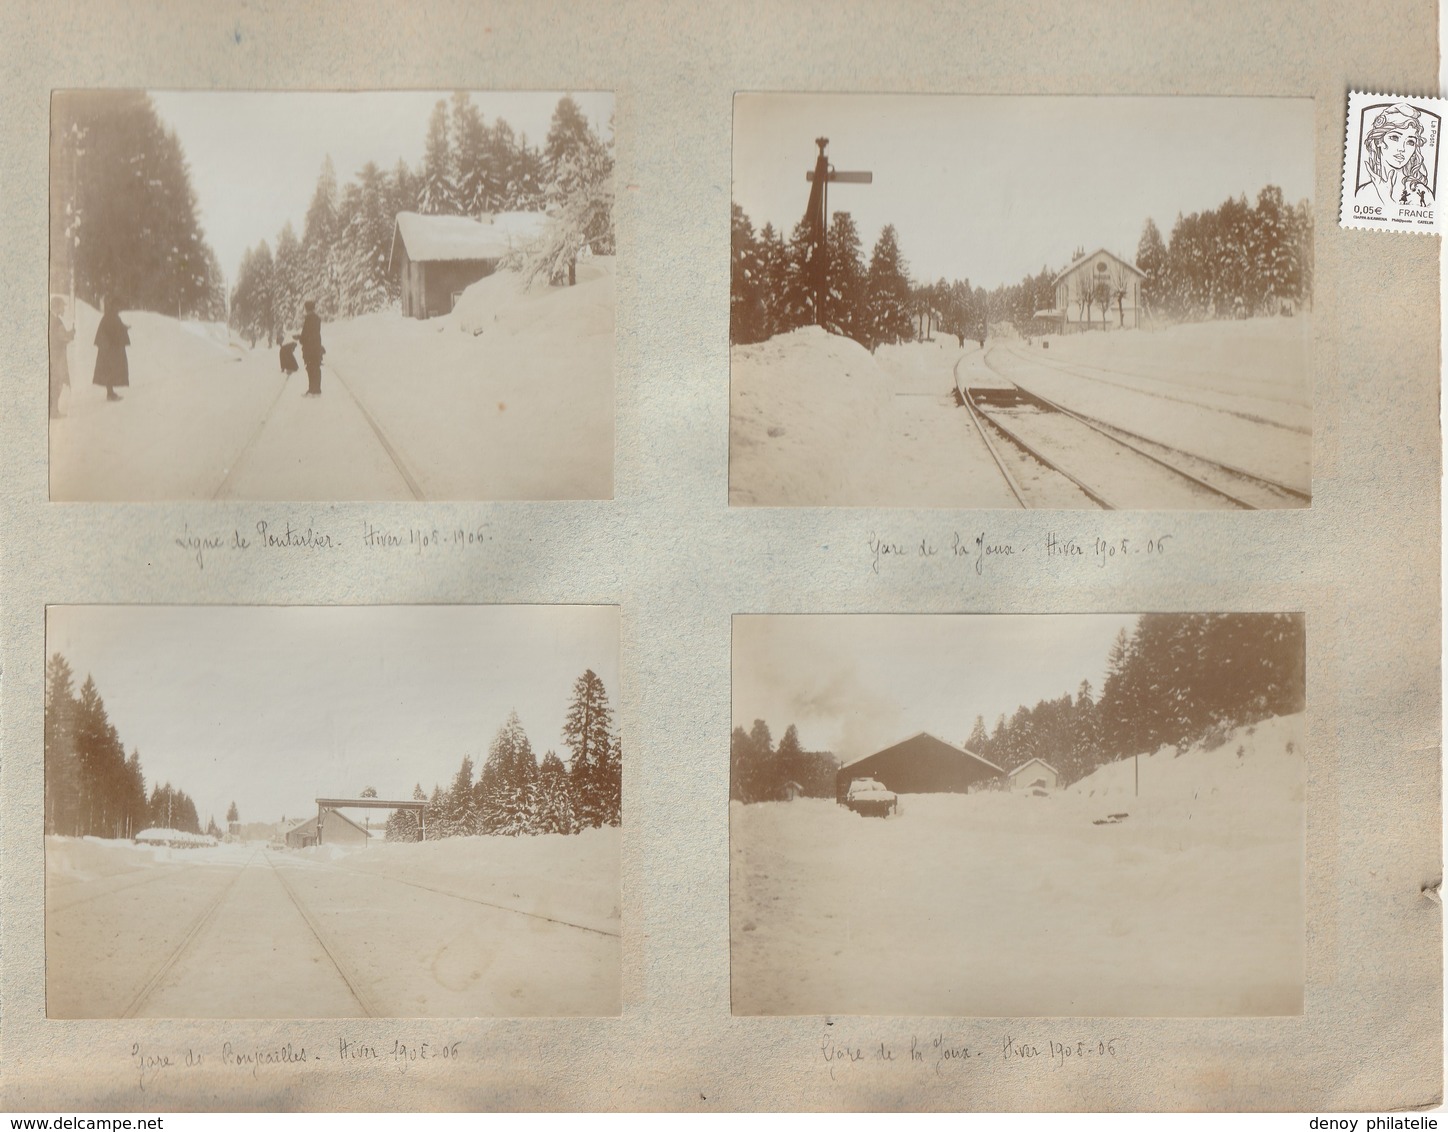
[{"x": 288, "y": 356}]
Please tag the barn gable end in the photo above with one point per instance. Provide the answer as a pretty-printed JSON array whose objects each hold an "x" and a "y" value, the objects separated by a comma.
[{"x": 921, "y": 764}]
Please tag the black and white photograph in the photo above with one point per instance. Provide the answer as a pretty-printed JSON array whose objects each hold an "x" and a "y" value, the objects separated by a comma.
[
  {"x": 309, "y": 812},
  {"x": 1018, "y": 815},
  {"x": 374, "y": 295},
  {"x": 1027, "y": 301}
]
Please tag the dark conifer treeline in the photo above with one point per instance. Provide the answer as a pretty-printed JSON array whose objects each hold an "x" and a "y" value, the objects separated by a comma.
[
  {"x": 124, "y": 217},
  {"x": 1236, "y": 260},
  {"x": 759, "y": 771},
  {"x": 91, "y": 787},
  {"x": 469, "y": 168},
  {"x": 1175, "y": 680},
  {"x": 515, "y": 795},
  {"x": 770, "y": 291}
]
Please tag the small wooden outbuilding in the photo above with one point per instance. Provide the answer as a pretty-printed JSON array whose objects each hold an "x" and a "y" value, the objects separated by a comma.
[
  {"x": 436, "y": 257},
  {"x": 1035, "y": 776}
]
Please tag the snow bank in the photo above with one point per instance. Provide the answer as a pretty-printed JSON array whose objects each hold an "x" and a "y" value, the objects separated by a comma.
[
  {"x": 804, "y": 419},
  {"x": 175, "y": 838},
  {"x": 1011, "y": 905},
  {"x": 509, "y": 397},
  {"x": 574, "y": 878},
  {"x": 815, "y": 420}
]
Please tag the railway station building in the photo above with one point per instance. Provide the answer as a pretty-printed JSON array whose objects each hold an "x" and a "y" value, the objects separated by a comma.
[
  {"x": 436, "y": 257},
  {"x": 1099, "y": 291},
  {"x": 331, "y": 828},
  {"x": 921, "y": 764}
]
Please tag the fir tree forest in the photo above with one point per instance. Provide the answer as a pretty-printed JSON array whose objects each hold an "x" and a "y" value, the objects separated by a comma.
[
  {"x": 515, "y": 793},
  {"x": 125, "y": 225},
  {"x": 92, "y": 789},
  {"x": 1236, "y": 260}
]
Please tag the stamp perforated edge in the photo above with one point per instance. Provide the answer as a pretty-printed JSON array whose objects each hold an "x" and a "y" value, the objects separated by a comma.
[{"x": 1357, "y": 100}]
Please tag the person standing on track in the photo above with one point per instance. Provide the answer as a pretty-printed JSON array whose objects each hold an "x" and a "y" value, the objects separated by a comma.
[
  {"x": 312, "y": 349},
  {"x": 112, "y": 338}
]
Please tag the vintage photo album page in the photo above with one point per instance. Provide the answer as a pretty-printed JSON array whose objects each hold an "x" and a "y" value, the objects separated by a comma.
[{"x": 569, "y": 556}]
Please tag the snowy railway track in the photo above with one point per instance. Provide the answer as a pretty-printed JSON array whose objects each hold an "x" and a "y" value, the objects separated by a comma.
[
  {"x": 1177, "y": 390},
  {"x": 151, "y": 878},
  {"x": 490, "y": 904},
  {"x": 208, "y": 913},
  {"x": 1059, "y": 454},
  {"x": 369, "y": 1008},
  {"x": 239, "y": 465}
]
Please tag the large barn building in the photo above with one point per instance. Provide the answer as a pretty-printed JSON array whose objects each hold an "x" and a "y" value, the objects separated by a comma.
[
  {"x": 921, "y": 764},
  {"x": 1099, "y": 289},
  {"x": 436, "y": 257}
]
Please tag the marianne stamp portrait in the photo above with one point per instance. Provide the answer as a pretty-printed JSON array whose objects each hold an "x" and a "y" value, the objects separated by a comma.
[{"x": 1390, "y": 164}]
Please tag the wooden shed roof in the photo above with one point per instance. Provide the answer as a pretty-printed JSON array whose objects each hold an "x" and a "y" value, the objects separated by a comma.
[{"x": 434, "y": 239}]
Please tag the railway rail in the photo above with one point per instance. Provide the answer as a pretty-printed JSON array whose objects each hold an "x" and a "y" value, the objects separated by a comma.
[{"x": 1043, "y": 449}]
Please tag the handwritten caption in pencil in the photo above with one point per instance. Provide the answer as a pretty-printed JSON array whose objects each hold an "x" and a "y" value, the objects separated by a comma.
[
  {"x": 267, "y": 536},
  {"x": 984, "y": 553},
  {"x": 941, "y": 1052},
  {"x": 150, "y": 1064}
]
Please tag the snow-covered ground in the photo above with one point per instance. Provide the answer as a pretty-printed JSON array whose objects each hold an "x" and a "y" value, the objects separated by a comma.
[
  {"x": 997, "y": 904},
  {"x": 509, "y": 397},
  {"x": 465, "y": 927},
  {"x": 815, "y": 419}
]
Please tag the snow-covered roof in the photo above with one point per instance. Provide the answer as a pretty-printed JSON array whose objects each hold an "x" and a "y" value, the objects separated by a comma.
[
  {"x": 1075, "y": 263},
  {"x": 1042, "y": 762},
  {"x": 431, "y": 239},
  {"x": 927, "y": 735}
]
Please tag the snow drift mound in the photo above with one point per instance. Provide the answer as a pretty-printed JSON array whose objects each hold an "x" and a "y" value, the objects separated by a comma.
[
  {"x": 499, "y": 302},
  {"x": 804, "y": 419}
]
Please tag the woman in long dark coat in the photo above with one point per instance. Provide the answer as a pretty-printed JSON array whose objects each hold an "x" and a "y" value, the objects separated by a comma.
[{"x": 112, "y": 338}]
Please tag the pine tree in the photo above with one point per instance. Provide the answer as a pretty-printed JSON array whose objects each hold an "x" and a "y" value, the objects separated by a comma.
[
  {"x": 747, "y": 286},
  {"x": 887, "y": 301},
  {"x": 124, "y": 220},
  {"x": 845, "y": 300},
  {"x": 509, "y": 783},
  {"x": 320, "y": 235},
  {"x": 595, "y": 766},
  {"x": 436, "y": 192},
  {"x": 555, "y": 797},
  {"x": 469, "y": 156},
  {"x": 62, "y": 779},
  {"x": 978, "y": 737},
  {"x": 579, "y": 197},
  {"x": 460, "y": 812}
]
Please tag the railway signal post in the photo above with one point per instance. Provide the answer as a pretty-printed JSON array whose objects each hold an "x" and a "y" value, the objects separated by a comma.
[{"x": 817, "y": 220}]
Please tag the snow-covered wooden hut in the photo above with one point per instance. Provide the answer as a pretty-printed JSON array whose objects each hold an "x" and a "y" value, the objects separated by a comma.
[
  {"x": 436, "y": 257},
  {"x": 1101, "y": 290},
  {"x": 921, "y": 764},
  {"x": 1034, "y": 777},
  {"x": 790, "y": 791}
]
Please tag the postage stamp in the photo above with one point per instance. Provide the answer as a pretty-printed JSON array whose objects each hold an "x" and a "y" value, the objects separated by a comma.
[{"x": 1390, "y": 163}]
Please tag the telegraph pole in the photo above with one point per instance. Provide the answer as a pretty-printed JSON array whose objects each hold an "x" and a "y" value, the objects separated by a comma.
[{"x": 816, "y": 217}]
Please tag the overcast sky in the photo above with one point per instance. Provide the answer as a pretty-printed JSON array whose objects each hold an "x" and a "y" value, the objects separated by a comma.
[
  {"x": 992, "y": 188},
  {"x": 854, "y": 684},
  {"x": 255, "y": 157},
  {"x": 275, "y": 707}
]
